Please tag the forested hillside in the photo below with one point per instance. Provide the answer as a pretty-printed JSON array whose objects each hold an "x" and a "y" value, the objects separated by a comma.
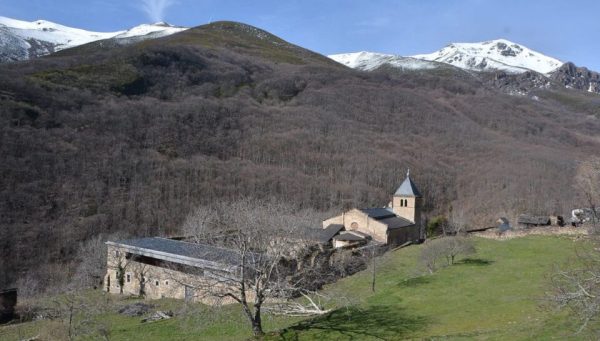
[{"x": 105, "y": 138}]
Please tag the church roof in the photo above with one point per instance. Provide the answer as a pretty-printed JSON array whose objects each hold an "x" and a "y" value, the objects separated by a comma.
[
  {"x": 396, "y": 222},
  {"x": 387, "y": 217},
  {"x": 408, "y": 188},
  {"x": 319, "y": 235},
  {"x": 378, "y": 213}
]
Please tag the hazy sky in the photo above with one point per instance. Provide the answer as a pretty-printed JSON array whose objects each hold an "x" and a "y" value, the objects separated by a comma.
[{"x": 567, "y": 30}]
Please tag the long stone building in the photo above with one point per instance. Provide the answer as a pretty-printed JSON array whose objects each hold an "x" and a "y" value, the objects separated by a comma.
[
  {"x": 396, "y": 224},
  {"x": 160, "y": 267}
]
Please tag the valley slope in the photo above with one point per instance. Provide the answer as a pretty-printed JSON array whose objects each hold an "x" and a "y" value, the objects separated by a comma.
[{"x": 106, "y": 138}]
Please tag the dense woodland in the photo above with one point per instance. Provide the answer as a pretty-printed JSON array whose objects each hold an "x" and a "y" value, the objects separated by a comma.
[{"x": 105, "y": 138}]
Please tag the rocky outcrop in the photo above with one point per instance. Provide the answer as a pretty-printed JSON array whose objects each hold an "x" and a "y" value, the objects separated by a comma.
[
  {"x": 580, "y": 78},
  {"x": 517, "y": 84}
]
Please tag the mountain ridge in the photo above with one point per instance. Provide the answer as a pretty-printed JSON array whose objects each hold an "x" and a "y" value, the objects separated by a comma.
[
  {"x": 510, "y": 61},
  {"x": 22, "y": 40},
  {"x": 493, "y": 55}
]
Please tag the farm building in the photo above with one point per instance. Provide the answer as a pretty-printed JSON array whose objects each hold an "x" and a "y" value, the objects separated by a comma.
[
  {"x": 160, "y": 267},
  {"x": 526, "y": 220}
]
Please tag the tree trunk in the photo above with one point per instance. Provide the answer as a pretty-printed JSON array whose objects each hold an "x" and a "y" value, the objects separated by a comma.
[
  {"x": 257, "y": 328},
  {"x": 374, "y": 272},
  {"x": 257, "y": 321}
]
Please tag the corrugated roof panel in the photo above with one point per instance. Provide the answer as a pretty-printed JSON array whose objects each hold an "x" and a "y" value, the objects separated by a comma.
[
  {"x": 180, "y": 248},
  {"x": 378, "y": 213}
]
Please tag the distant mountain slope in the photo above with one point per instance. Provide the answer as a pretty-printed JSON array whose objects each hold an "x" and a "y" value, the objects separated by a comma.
[
  {"x": 104, "y": 137},
  {"x": 493, "y": 55},
  {"x": 368, "y": 61},
  {"x": 21, "y": 40},
  {"x": 514, "y": 68}
]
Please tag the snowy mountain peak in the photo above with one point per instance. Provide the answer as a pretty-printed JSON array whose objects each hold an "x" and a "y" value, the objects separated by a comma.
[
  {"x": 368, "y": 61},
  {"x": 159, "y": 29},
  {"x": 21, "y": 40},
  {"x": 492, "y": 55}
]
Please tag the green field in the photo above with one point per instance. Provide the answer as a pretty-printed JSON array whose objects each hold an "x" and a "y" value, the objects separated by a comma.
[{"x": 495, "y": 295}]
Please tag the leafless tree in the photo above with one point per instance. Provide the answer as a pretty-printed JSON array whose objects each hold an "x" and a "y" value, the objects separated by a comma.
[
  {"x": 431, "y": 254},
  {"x": 78, "y": 314},
  {"x": 577, "y": 288},
  {"x": 270, "y": 267},
  {"x": 457, "y": 246},
  {"x": 92, "y": 262},
  {"x": 588, "y": 187},
  {"x": 445, "y": 248}
]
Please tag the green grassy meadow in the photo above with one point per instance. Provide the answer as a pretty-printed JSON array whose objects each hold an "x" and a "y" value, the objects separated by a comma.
[{"x": 494, "y": 295}]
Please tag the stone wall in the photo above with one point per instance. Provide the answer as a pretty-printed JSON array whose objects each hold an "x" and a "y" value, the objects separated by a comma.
[
  {"x": 160, "y": 282},
  {"x": 405, "y": 234},
  {"x": 412, "y": 211}
]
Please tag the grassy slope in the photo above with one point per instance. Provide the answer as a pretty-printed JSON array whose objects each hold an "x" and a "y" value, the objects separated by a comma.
[{"x": 495, "y": 296}]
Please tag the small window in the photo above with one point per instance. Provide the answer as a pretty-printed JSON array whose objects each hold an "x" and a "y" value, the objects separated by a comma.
[
  {"x": 128, "y": 278},
  {"x": 401, "y": 202},
  {"x": 166, "y": 282},
  {"x": 156, "y": 283},
  {"x": 116, "y": 253}
]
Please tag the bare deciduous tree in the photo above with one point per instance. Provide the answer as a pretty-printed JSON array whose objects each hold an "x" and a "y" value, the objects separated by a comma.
[
  {"x": 270, "y": 266},
  {"x": 448, "y": 248},
  {"x": 588, "y": 187},
  {"x": 577, "y": 288},
  {"x": 92, "y": 262},
  {"x": 77, "y": 312},
  {"x": 457, "y": 246}
]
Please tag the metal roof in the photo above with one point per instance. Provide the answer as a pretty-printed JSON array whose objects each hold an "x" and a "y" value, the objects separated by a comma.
[
  {"x": 408, "y": 188},
  {"x": 319, "y": 235},
  {"x": 533, "y": 220},
  {"x": 396, "y": 222},
  {"x": 181, "y": 252},
  {"x": 349, "y": 237},
  {"x": 378, "y": 213},
  {"x": 330, "y": 231}
]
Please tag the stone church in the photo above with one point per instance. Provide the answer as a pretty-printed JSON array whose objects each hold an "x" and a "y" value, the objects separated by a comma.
[{"x": 396, "y": 224}]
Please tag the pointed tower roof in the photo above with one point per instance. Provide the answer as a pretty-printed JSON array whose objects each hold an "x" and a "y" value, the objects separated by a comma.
[{"x": 408, "y": 188}]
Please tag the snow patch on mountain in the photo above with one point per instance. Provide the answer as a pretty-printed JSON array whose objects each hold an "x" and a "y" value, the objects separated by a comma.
[
  {"x": 493, "y": 55},
  {"x": 159, "y": 29},
  {"x": 21, "y": 40},
  {"x": 368, "y": 61}
]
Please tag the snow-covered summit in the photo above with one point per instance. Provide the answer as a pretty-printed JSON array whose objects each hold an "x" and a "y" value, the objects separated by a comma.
[
  {"x": 159, "y": 29},
  {"x": 23, "y": 40},
  {"x": 500, "y": 54},
  {"x": 369, "y": 61}
]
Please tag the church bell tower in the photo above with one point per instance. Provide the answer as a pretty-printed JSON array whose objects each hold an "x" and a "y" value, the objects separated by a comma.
[{"x": 408, "y": 201}]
